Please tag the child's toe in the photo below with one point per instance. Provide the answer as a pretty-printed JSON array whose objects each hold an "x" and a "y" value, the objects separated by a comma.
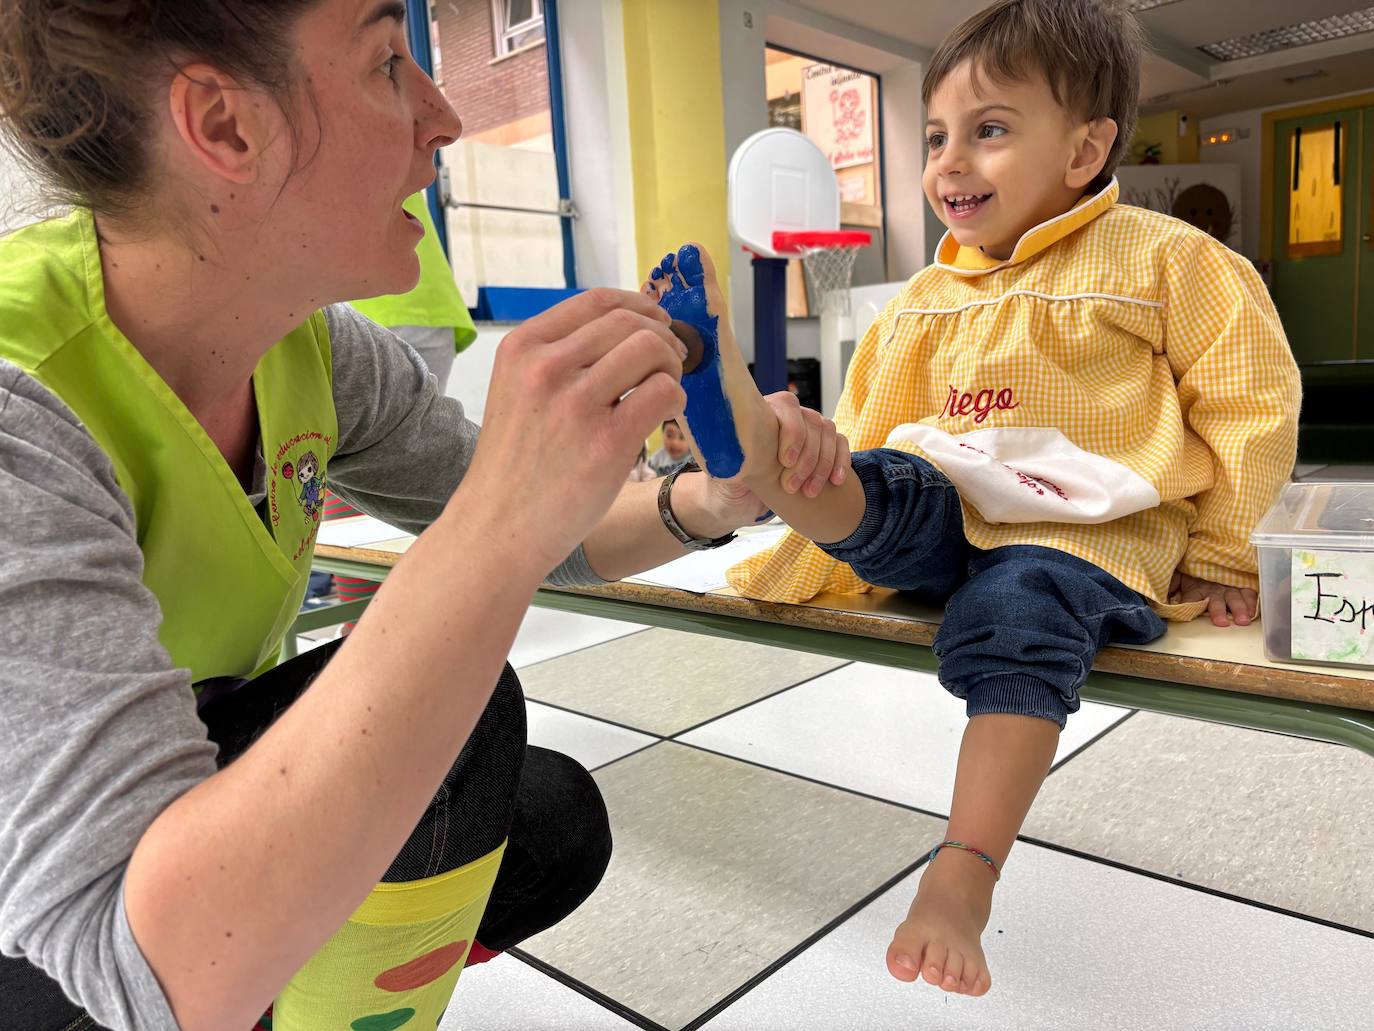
[
  {"x": 933, "y": 964},
  {"x": 901, "y": 965},
  {"x": 689, "y": 263},
  {"x": 954, "y": 971},
  {"x": 981, "y": 983}
]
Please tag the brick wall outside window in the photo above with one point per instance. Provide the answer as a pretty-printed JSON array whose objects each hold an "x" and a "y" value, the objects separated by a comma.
[{"x": 486, "y": 95}]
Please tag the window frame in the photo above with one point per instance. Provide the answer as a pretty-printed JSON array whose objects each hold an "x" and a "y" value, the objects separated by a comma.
[{"x": 503, "y": 33}]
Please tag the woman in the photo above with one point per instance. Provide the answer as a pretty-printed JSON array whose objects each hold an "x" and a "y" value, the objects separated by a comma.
[{"x": 170, "y": 360}]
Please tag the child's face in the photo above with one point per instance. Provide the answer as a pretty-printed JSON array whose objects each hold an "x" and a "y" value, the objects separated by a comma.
[
  {"x": 1005, "y": 157},
  {"x": 674, "y": 442}
]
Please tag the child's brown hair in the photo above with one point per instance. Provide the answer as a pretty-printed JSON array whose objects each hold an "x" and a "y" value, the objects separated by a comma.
[{"x": 1088, "y": 51}]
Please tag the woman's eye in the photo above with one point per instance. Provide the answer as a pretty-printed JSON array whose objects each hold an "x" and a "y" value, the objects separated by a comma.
[
  {"x": 991, "y": 132},
  {"x": 935, "y": 140},
  {"x": 388, "y": 67}
]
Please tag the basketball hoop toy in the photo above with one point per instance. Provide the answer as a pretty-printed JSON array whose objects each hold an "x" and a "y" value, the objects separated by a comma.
[
  {"x": 828, "y": 258},
  {"x": 784, "y": 202}
]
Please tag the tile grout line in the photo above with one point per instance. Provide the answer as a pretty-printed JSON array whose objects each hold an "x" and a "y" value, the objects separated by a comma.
[
  {"x": 584, "y": 648},
  {"x": 734, "y": 996},
  {"x": 600, "y": 998},
  {"x": 1104, "y": 732},
  {"x": 1204, "y": 889},
  {"x": 811, "y": 780},
  {"x": 774, "y": 694},
  {"x": 627, "y": 755},
  {"x": 598, "y": 719},
  {"x": 1088, "y": 857}
]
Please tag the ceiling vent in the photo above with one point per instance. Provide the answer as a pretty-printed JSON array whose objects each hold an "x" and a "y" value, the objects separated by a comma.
[{"x": 1337, "y": 26}]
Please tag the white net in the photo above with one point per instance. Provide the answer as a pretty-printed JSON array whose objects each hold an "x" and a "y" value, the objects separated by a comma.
[{"x": 828, "y": 271}]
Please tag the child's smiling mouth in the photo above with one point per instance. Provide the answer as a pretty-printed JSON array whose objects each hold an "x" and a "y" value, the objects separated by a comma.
[{"x": 962, "y": 205}]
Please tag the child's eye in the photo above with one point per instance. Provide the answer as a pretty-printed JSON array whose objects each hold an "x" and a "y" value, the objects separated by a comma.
[
  {"x": 935, "y": 140},
  {"x": 991, "y": 132}
]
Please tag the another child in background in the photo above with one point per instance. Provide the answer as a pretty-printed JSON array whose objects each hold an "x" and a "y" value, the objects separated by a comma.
[
  {"x": 675, "y": 452},
  {"x": 1074, "y": 418}
]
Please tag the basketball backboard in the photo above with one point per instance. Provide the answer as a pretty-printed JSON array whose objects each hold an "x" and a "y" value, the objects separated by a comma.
[{"x": 780, "y": 181}]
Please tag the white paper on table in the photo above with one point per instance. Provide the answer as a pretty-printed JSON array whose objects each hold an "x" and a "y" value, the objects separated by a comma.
[
  {"x": 356, "y": 531},
  {"x": 704, "y": 571}
]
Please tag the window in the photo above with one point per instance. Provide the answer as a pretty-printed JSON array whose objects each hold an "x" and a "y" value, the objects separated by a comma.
[
  {"x": 500, "y": 181},
  {"x": 837, "y": 108},
  {"x": 1315, "y": 211},
  {"x": 517, "y": 24}
]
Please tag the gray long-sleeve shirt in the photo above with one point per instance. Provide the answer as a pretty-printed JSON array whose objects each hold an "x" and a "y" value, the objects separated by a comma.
[{"x": 98, "y": 729}]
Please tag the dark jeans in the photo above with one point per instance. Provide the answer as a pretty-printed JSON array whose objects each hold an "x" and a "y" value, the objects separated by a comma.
[
  {"x": 545, "y": 805},
  {"x": 1022, "y": 624}
]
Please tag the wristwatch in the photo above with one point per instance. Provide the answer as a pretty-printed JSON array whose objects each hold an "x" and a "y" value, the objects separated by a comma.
[{"x": 665, "y": 512}]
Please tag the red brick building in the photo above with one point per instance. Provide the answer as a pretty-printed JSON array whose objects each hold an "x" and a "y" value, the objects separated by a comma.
[{"x": 489, "y": 60}]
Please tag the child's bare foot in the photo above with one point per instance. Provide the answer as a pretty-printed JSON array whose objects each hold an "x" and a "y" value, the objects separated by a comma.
[
  {"x": 731, "y": 429},
  {"x": 939, "y": 939}
]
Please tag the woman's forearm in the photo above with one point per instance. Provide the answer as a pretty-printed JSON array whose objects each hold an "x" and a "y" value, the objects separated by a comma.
[{"x": 243, "y": 878}]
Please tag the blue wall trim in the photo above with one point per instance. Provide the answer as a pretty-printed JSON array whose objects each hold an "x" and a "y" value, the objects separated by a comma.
[{"x": 553, "y": 52}]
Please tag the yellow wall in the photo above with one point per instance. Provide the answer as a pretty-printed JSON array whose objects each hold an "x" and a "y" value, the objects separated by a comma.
[
  {"x": 677, "y": 144},
  {"x": 1163, "y": 129}
]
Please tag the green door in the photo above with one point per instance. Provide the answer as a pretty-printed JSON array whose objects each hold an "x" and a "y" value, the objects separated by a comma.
[
  {"x": 1364, "y": 302},
  {"x": 1317, "y": 192}
]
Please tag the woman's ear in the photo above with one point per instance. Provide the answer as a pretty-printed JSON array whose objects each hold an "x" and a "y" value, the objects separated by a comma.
[
  {"x": 225, "y": 126},
  {"x": 1093, "y": 145}
]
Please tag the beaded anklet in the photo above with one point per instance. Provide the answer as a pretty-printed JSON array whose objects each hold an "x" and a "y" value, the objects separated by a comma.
[{"x": 996, "y": 873}]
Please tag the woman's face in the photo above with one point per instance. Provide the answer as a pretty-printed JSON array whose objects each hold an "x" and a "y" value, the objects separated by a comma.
[{"x": 369, "y": 123}]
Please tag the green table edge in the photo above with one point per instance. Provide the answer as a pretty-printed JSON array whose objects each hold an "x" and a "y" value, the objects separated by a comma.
[{"x": 1337, "y": 725}]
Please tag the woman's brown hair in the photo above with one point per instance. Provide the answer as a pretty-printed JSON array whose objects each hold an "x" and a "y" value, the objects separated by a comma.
[
  {"x": 79, "y": 80},
  {"x": 1087, "y": 50}
]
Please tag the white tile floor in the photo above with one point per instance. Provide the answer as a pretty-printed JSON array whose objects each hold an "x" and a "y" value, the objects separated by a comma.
[
  {"x": 1075, "y": 942},
  {"x": 885, "y": 732}
]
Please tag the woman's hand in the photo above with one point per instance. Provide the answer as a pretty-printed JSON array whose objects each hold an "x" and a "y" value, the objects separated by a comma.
[{"x": 574, "y": 393}]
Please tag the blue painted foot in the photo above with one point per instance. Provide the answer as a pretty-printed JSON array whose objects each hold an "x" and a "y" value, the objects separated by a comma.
[{"x": 680, "y": 282}]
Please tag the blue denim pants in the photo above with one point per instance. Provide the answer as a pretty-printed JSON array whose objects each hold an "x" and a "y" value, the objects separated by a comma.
[{"x": 1022, "y": 624}]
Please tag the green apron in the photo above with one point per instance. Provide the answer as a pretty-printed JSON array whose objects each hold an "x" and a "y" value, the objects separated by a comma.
[
  {"x": 229, "y": 578},
  {"x": 436, "y": 300}
]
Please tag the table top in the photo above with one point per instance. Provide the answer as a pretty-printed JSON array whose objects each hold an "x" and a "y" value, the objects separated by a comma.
[{"x": 1195, "y": 653}]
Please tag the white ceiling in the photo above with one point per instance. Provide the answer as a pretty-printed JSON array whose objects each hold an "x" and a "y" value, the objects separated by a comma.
[{"x": 1177, "y": 75}]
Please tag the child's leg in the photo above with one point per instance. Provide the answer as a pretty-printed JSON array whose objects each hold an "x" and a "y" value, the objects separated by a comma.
[{"x": 1017, "y": 643}]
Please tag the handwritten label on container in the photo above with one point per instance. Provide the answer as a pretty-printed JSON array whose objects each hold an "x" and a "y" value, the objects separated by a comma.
[{"x": 1333, "y": 606}]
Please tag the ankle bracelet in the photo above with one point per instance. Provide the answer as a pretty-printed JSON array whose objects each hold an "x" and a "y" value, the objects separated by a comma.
[{"x": 992, "y": 865}]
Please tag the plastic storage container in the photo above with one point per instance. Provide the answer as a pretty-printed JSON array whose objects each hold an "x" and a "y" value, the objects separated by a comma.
[{"x": 1316, "y": 559}]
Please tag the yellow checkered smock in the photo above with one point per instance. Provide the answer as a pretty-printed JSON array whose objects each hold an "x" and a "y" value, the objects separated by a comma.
[{"x": 1140, "y": 338}]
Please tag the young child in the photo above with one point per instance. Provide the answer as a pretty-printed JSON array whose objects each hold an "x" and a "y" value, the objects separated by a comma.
[
  {"x": 675, "y": 452},
  {"x": 1072, "y": 421}
]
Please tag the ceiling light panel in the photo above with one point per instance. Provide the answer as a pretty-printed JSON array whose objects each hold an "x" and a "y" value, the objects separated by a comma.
[{"x": 1336, "y": 27}]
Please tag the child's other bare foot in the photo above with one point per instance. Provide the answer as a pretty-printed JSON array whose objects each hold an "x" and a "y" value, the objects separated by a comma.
[
  {"x": 939, "y": 939},
  {"x": 731, "y": 429}
]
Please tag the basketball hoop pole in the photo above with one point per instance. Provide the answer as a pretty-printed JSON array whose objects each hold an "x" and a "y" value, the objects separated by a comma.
[
  {"x": 784, "y": 202},
  {"x": 828, "y": 257},
  {"x": 770, "y": 324}
]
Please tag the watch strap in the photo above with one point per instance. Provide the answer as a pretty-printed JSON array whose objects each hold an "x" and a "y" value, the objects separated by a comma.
[{"x": 665, "y": 512}]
